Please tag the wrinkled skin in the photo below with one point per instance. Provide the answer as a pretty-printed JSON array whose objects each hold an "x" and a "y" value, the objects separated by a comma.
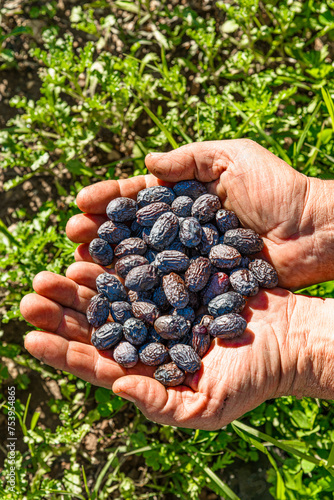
[{"x": 271, "y": 358}]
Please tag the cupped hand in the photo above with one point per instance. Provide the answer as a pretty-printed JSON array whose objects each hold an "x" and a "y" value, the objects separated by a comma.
[
  {"x": 266, "y": 193},
  {"x": 235, "y": 377}
]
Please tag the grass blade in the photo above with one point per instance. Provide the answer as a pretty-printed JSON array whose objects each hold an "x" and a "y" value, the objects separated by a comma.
[
  {"x": 34, "y": 420},
  {"x": 330, "y": 459},
  {"x": 223, "y": 486},
  {"x": 329, "y": 104},
  {"x": 280, "y": 486},
  {"x": 26, "y": 410},
  {"x": 226, "y": 490},
  {"x": 85, "y": 481},
  {"x": 8, "y": 234},
  {"x": 156, "y": 120},
  {"x": 306, "y": 129},
  {"x": 279, "y": 444},
  {"x": 244, "y": 125},
  {"x": 104, "y": 472}
]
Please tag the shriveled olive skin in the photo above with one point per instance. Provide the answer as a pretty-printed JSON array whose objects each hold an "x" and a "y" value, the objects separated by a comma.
[
  {"x": 125, "y": 354},
  {"x": 155, "y": 194},
  {"x": 169, "y": 375},
  {"x": 107, "y": 336},
  {"x": 143, "y": 278},
  {"x": 228, "y": 326},
  {"x": 198, "y": 274},
  {"x": 224, "y": 256},
  {"x": 264, "y": 273},
  {"x": 175, "y": 290},
  {"x": 201, "y": 340},
  {"x": 122, "y": 209},
  {"x": 110, "y": 287},
  {"x": 205, "y": 207},
  {"x": 246, "y": 241},
  {"x": 171, "y": 327},
  {"x": 124, "y": 265},
  {"x": 135, "y": 331},
  {"x": 226, "y": 303},
  {"x": 153, "y": 354},
  {"x": 226, "y": 219},
  {"x": 130, "y": 246},
  {"x": 191, "y": 188},
  {"x": 146, "y": 311},
  {"x": 172, "y": 260},
  {"x": 182, "y": 206},
  {"x": 190, "y": 232},
  {"x": 218, "y": 283},
  {"x": 149, "y": 214},
  {"x": 164, "y": 231},
  {"x": 101, "y": 252},
  {"x": 243, "y": 281},
  {"x": 113, "y": 232},
  {"x": 98, "y": 310},
  {"x": 185, "y": 358},
  {"x": 121, "y": 311}
]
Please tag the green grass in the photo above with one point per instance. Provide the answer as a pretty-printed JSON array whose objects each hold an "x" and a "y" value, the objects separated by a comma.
[{"x": 261, "y": 70}]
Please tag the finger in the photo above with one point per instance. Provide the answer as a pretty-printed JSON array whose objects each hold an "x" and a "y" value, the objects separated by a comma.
[
  {"x": 179, "y": 406},
  {"x": 81, "y": 253},
  {"x": 49, "y": 315},
  {"x": 82, "y": 228},
  {"x": 204, "y": 161},
  {"x": 82, "y": 360},
  {"x": 63, "y": 290},
  {"x": 95, "y": 198},
  {"x": 85, "y": 273}
]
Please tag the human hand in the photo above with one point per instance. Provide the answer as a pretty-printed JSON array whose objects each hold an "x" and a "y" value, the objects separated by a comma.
[
  {"x": 236, "y": 376},
  {"x": 286, "y": 349},
  {"x": 266, "y": 361},
  {"x": 290, "y": 211}
]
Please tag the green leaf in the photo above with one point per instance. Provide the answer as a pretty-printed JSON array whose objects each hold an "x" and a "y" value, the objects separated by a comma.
[
  {"x": 105, "y": 146},
  {"x": 229, "y": 26},
  {"x": 34, "y": 420},
  {"x": 17, "y": 181},
  {"x": 325, "y": 135},
  {"x": 280, "y": 487},
  {"x": 270, "y": 140},
  {"x": 226, "y": 490},
  {"x": 102, "y": 395},
  {"x": 78, "y": 168},
  {"x": 7, "y": 234},
  {"x": 301, "y": 419},
  {"x": 128, "y": 6},
  {"x": 42, "y": 160}
]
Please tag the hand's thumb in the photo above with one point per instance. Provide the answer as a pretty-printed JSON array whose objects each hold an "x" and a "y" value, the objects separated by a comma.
[{"x": 204, "y": 161}]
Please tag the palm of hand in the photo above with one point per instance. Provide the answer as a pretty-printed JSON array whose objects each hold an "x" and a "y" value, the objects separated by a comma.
[
  {"x": 266, "y": 194},
  {"x": 232, "y": 380}
]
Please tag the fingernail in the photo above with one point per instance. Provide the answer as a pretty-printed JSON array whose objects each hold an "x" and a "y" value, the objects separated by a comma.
[{"x": 155, "y": 154}]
